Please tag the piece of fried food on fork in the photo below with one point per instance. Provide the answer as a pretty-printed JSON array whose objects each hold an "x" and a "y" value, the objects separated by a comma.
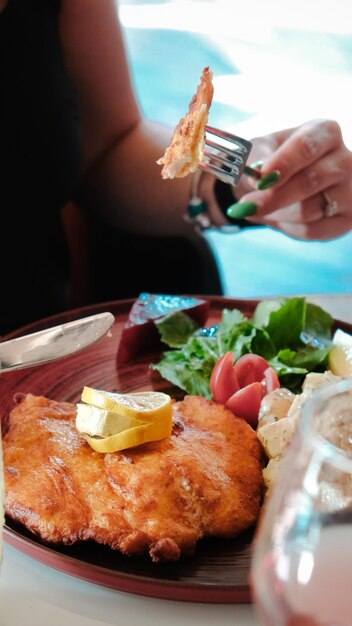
[{"x": 186, "y": 148}]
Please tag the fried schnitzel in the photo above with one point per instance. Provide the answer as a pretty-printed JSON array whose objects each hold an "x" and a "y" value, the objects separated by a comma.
[{"x": 161, "y": 497}]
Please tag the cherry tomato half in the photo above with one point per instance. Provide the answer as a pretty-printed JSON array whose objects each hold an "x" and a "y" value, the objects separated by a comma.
[
  {"x": 223, "y": 380},
  {"x": 246, "y": 402},
  {"x": 250, "y": 368},
  {"x": 242, "y": 385},
  {"x": 270, "y": 381}
]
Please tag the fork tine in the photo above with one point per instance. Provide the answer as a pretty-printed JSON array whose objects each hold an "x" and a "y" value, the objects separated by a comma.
[
  {"x": 236, "y": 156},
  {"x": 231, "y": 159},
  {"x": 230, "y": 166},
  {"x": 219, "y": 173},
  {"x": 242, "y": 144},
  {"x": 225, "y": 164}
]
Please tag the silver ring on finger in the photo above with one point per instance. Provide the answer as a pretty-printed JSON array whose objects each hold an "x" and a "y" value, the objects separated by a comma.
[{"x": 330, "y": 208}]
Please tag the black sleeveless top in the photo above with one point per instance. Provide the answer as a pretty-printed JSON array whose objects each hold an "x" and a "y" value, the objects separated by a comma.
[
  {"x": 40, "y": 158},
  {"x": 40, "y": 147}
]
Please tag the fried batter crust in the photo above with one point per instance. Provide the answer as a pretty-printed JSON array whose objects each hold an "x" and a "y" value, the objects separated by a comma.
[
  {"x": 161, "y": 497},
  {"x": 186, "y": 148}
]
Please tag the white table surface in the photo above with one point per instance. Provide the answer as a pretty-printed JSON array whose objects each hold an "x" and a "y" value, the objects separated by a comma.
[{"x": 32, "y": 594}]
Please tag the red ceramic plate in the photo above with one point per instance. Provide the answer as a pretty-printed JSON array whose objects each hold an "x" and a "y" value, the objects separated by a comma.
[{"x": 218, "y": 572}]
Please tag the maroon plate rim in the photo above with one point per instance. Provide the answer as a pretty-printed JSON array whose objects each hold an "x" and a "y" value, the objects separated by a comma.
[{"x": 219, "y": 570}]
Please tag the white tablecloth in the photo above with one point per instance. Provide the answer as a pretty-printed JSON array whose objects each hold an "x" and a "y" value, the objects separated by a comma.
[{"x": 32, "y": 594}]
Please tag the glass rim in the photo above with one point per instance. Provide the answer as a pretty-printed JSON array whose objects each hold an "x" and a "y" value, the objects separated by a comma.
[{"x": 342, "y": 459}]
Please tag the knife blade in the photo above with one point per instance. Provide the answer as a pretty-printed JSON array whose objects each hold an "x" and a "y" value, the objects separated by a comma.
[{"x": 53, "y": 343}]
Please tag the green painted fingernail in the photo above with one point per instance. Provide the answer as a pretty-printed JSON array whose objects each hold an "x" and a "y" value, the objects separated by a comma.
[
  {"x": 241, "y": 209},
  {"x": 268, "y": 180}
]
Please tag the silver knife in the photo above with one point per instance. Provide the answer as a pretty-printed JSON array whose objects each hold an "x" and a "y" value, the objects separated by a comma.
[{"x": 53, "y": 343}]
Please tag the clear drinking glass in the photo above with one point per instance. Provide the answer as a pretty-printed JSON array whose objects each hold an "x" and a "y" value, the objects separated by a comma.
[{"x": 301, "y": 571}]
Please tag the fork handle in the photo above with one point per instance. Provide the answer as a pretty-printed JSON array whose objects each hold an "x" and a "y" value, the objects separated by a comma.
[{"x": 250, "y": 171}]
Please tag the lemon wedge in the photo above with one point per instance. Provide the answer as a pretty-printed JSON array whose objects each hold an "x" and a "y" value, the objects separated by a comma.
[
  {"x": 131, "y": 437},
  {"x": 112, "y": 421},
  {"x": 97, "y": 422},
  {"x": 147, "y": 403},
  {"x": 340, "y": 357}
]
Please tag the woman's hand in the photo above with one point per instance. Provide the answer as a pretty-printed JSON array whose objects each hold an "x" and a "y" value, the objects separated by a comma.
[{"x": 313, "y": 196}]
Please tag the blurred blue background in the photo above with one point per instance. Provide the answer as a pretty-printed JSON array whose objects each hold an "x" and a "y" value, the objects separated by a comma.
[{"x": 275, "y": 65}]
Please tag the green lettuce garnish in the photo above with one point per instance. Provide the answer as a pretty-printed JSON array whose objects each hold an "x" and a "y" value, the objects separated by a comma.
[{"x": 293, "y": 335}]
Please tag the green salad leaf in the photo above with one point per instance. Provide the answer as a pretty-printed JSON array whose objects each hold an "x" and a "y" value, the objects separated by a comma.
[
  {"x": 293, "y": 335},
  {"x": 175, "y": 328}
]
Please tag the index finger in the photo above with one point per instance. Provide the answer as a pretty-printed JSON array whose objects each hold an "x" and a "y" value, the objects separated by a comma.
[{"x": 303, "y": 147}]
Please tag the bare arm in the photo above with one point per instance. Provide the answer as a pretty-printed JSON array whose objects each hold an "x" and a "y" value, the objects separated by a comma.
[{"x": 120, "y": 148}]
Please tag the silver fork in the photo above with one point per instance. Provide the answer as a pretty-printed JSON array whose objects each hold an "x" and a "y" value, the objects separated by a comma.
[{"x": 227, "y": 159}]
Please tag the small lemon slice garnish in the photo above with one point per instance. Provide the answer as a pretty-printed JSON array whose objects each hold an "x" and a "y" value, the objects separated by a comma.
[
  {"x": 131, "y": 437},
  {"x": 101, "y": 423},
  {"x": 112, "y": 421},
  {"x": 340, "y": 357},
  {"x": 147, "y": 403}
]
